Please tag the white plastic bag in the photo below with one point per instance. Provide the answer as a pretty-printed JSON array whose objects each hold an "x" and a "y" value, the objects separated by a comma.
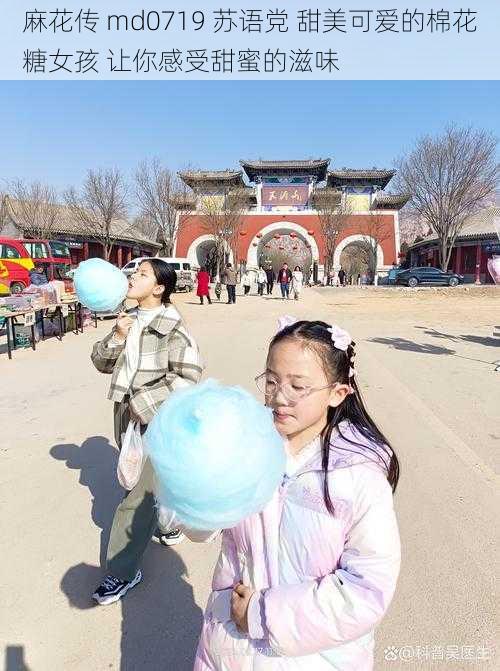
[{"x": 131, "y": 458}]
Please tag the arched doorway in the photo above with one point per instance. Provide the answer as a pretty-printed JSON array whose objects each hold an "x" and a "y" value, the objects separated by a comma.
[
  {"x": 356, "y": 260},
  {"x": 202, "y": 252},
  {"x": 298, "y": 247},
  {"x": 359, "y": 254},
  {"x": 278, "y": 248},
  {"x": 206, "y": 256}
]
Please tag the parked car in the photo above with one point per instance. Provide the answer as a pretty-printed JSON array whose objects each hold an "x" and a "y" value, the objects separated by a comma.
[
  {"x": 181, "y": 266},
  {"x": 392, "y": 274},
  {"x": 427, "y": 276}
]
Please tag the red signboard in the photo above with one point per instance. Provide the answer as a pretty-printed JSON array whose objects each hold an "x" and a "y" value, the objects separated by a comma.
[{"x": 285, "y": 196}]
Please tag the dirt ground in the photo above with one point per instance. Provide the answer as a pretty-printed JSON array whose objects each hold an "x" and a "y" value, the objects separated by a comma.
[{"x": 426, "y": 366}]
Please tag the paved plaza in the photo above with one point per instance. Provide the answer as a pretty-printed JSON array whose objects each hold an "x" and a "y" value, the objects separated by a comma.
[{"x": 425, "y": 363}]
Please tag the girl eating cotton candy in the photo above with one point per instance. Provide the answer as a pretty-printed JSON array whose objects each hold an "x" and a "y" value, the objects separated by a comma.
[
  {"x": 302, "y": 582},
  {"x": 149, "y": 353}
]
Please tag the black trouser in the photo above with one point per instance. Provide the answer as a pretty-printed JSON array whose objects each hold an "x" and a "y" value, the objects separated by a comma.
[
  {"x": 247, "y": 289},
  {"x": 261, "y": 288},
  {"x": 231, "y": 293},
  {"x": 270, "y": 288},
  {"x": 208, "y": 299}
]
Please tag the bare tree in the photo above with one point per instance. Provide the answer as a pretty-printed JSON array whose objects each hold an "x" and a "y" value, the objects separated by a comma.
[
  {"x": 412, "y": 225},
  {"x": 101, "y": 207},
  {"x": 374, "y": 229},
  {"x": 334, "y": 211},
  {"x": 3, "y": 210},
  {"x": 451, "y": 176},
  {"x": 222, "y": 218},
  {"x": 159, "y": 192},
  {"x": 146, "y": 227},
  {"x": 34, "y": 208},
  {"x": 355, "y": 260}
]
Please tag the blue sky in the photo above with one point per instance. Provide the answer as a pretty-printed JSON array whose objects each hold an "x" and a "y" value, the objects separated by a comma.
[{"x": 56, "y": 131}]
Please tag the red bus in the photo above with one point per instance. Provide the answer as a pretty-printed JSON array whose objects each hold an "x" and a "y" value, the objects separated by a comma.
[{"x": 52, "y": 254}]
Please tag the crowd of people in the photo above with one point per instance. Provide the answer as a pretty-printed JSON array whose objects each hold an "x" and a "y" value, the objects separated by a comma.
[{"x": 290, "y": 282}]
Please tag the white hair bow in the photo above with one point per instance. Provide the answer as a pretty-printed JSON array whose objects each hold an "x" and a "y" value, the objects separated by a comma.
[{"x": 286, "y": 320}]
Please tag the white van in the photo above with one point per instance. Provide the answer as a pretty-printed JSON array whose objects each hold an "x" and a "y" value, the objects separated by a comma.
[
  {"x": 181, "y": 266},
  {"x": 132, "y": 266}
]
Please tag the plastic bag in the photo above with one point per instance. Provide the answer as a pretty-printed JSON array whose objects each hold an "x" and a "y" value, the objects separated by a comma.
[{"x": 131, "y": 458}]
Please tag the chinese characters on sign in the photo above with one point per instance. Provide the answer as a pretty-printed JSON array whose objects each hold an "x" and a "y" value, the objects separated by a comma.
[{"x": 284, "y": 195}]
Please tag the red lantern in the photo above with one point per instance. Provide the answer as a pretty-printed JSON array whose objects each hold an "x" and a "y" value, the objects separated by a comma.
[
  {"x": 243, "y": 233},
  {"x": 259, "y": 235},
  {"x": 311, "y": 232},
  {"x": 293, "y": 235}
]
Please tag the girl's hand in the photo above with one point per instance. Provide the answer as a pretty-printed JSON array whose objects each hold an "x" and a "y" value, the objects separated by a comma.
[
  {"x": 239, "y": 606},
  {"x": 123, "y": 324}
]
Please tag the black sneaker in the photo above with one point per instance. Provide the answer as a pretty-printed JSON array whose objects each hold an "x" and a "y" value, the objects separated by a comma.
[
  {"x": 112, "y": 589},
  {"x": 172, "y": 537}
]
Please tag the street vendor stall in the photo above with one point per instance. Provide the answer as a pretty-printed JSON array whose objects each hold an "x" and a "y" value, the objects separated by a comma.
[{"x": 41, "y": 311}]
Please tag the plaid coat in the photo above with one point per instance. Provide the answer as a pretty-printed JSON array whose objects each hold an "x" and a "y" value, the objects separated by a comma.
[{"x": 169, "y": 359}]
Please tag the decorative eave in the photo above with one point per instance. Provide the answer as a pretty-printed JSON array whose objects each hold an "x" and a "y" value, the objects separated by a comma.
[
  {"x": 351, "y": 177},
  {"x": 316, "y": 168},
  {"x": 389, "y": 201},
  {"x": 197, "y": 178}
]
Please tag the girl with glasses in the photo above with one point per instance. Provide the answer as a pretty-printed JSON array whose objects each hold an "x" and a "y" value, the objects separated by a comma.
[{"x": 302, "y": 585}]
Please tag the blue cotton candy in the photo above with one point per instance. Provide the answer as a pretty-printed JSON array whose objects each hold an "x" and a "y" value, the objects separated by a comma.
[
  {"x": 216, "y": 453},
  {"x": 99, "y": 285}
]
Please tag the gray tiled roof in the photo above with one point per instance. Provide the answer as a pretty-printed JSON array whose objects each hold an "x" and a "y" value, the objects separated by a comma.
[
  {"x": 480, "y": 225},
  {"x": 390, "y": 201},
  {"x": 307, "y": 163},
  {"x": 194, "y": 177},
  {"x": 373, "y": 176},
  {"x": 121, "y": 229},
  {"x": 316, "y": 167}
]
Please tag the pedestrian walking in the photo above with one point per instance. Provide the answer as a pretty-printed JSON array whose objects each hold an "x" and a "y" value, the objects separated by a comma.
[
  {"x": 203, "y": 288},
  {"x": 230, "y": 280},
  {"x": 342, "y": 277},
  {"x": 297, "y": 282},
  {"x": 284, "y": 279},
  {"x": 218, "y": 287},
  {"x": 149, "y": 353},
  {"x": 261, "y": 280},
  {"x": 270, "y": 277},
  {"x": 246, "y": 281}
]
